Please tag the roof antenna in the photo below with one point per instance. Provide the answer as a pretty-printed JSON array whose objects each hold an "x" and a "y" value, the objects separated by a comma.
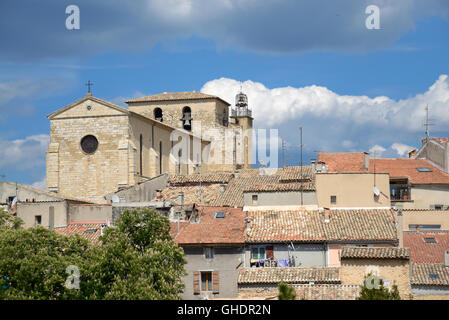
[{"x": 428, "y": 123}]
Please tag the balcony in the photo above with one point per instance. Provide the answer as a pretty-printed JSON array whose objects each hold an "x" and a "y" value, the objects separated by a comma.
[{"x": 241, "y": 112}]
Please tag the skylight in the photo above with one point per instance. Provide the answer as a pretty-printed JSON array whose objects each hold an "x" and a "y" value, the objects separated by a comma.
[
  {"x": 424, "y": 169},
  {"x": 220, "y": 215},
  {"x": 433, "y": 276},
  {"x": 430, "y": 240}
]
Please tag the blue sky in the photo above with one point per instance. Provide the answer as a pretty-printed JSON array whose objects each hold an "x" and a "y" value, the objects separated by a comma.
[{"x": 300, "y": 62}]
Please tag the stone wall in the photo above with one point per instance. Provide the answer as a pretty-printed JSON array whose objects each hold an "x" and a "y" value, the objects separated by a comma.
[
  {"x": 303, "y": 292},
  {"x": 353, "y": 271}
]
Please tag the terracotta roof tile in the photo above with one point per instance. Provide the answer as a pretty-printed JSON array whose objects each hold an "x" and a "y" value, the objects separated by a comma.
[
  {"x": 343, "y": 161},
  {"x": 276, "y": 187},
  {"x": 89, "y": 231},
  {"x": 211, "y": 230},
  {"x": 374, "y": 253},
  {"x": 408, "y": 168},
  {"x": 205, "y": 194},
  {"x": 430, "y": 274},
  {"x": 309, "y": 226},
  {"x": 173, "y": 96},
  {"x": 293, "y": 275},
  {"x": 423, "y": 252},
  {"x": 220, "y": 177}
]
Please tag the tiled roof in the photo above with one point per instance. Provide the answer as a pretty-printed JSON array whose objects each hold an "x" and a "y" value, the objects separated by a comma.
[
  {"x": 211, "y": 230},
  {"x": 220, "y": 177},
  {"x": 430, "y": 274},
  {"x": 173, "y": 96},
  {"x": 408, "y": 168},
  {"x": 343, "y": 161},
  {"x": 374, "y": 253},
  {"x": 205, "y": 194},
  {"x": 423, "y": 252},
  {"x": 233, "y": 195},
  {"x": 288, "y": 275},
  {"x": 309, "y": 226},
  {"x": 89, "y": 231},
  {"x": 275, "y": 187}
]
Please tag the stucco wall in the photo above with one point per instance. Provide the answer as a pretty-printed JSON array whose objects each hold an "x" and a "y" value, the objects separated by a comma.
[
  {"x": 431, "y": 217},
  {"x": 90, "y": 212},
  {"x": 287, "y": 198},
  {"x": 424, "y": 196},
  {"x": 353, "y": 271},
  {"x": 226, "y": 261},
  {"x": 352, "y": 189},
  {"x": 334, "y": 250},
  {"x": 8, "y": 189},
  {"x": 27, "y": 212}
]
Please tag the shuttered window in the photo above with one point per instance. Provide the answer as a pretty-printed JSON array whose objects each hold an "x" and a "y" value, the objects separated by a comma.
[
  {"x": 196, "y": 283},
  {"x": 215, "y": 282}
]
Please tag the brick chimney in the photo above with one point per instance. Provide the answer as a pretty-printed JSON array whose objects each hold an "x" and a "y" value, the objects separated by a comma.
[{"x": 326, "y": 215}]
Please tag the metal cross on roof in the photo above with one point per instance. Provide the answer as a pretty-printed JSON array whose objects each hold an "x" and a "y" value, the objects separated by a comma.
[{"x": 89, "y": 84}]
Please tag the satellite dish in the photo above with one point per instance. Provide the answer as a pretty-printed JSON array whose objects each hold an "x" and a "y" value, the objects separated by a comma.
[
  {"x": 14, "y": 201},
  {"x": 115, "y": 198},
  {"x": 376, "y": 191}
]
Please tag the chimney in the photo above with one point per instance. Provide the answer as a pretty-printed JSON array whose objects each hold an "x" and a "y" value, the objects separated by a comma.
[
  {"x": 412, "y": 153},
  {"x": 326, "y": 215},
  {"x": 313, "y": 161},
  {"x": 446, "y": 258},
  {"x": 158, "y": 194},
  {"x": 222, "y": 188},
  {"x": 366, "y": 158},
  {"x": 181, "y": 198}
]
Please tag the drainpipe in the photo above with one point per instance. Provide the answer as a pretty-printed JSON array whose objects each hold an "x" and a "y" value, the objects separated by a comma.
[{"x": 400, "y": 228}]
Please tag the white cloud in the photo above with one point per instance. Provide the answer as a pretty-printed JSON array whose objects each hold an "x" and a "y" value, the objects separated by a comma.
[
  {"x": 23, "y": 154},
  {"x": 377, "y": 151},
  {"x": 334, "y": 122},
  {"x": 401, "y": 149},
  {"x": 273, "y": 107},
  {"x": 41, "y": 184}
]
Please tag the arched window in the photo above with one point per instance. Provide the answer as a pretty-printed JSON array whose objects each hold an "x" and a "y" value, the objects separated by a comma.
[
  {"x": 158, "y": 114},
  {"x": 187, "y": 118}
]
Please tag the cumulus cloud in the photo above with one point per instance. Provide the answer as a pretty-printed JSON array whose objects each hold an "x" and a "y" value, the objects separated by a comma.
[
  {"x": 23, "y": 154},
  {"x": 401, "y": 149},
  {"x": 41, "y": 184},
  {"x": 277, "y": 26},
  {"x": 334, "y": 122},
  {"x": 376, "y": 151}
]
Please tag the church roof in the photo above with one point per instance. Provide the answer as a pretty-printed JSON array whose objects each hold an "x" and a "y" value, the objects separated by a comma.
[{"x": 173, "y": 96}]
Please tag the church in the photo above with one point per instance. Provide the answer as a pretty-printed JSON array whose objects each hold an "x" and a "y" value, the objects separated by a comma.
[{"x": 97, "y": 147}]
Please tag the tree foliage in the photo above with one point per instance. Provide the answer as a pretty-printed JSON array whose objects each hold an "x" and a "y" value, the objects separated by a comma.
[
  {"x": 377, "y": 291},
  {"x": 136, "y": 260},
  {"x": 286, "y": 292}
]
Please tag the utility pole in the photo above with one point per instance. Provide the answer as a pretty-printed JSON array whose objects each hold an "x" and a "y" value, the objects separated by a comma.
[
  {"x": 283, "y": 153},
  {"x": 300, "y": 146}
]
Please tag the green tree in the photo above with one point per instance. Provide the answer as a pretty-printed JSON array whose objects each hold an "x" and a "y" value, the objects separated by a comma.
[
  {"x": 33, "y": 263},
  {"x": 376, "y": 291},
  {"x": 286, "y": 292},
  {"x": 8, "y": 220},
  {"x": 138, "y": 260}
]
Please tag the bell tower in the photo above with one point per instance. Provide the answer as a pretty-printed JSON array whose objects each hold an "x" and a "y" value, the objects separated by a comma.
[{"x": 241, "y": 115}]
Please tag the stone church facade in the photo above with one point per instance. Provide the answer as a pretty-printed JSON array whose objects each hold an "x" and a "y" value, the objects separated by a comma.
[{"x": 97, "y": 147}]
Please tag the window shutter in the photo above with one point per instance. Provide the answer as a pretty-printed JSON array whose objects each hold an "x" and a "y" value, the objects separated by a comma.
[
  {"x": 269, "y": 252},
  {"x": 215, "y": 282},
  {"x": 196, "y": 283}
]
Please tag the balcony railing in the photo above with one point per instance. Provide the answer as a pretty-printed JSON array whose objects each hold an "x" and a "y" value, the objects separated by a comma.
[{"x": 241, "y": 112}]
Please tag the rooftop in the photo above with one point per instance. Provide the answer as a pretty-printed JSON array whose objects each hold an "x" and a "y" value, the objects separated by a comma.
[
  {"x": 430, "y": 274},
  {"x": 408, "y": 168},
  {"x": 309, "y": 226},
  {"x": 173, "y": 96},
  {"x": 292, "y": 275},
  {"x": 430, "y": 251},
  {"x": 343, "y": 161},
  {"x": 89, "y": 230},
  {"x": 211, "y": 230},
  {"x": 374, "y": 253}
]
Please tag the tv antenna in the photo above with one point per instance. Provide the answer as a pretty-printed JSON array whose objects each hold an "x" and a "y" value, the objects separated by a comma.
[{"x": 428, "y": 122}]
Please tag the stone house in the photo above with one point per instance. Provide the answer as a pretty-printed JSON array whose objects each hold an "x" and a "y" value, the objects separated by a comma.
[
  {"x": 213, "y": 242},
  {"x": 392, "y": 265},
  {"x": 435, "y": 150},
  {"x": 300, "y": 238}
]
